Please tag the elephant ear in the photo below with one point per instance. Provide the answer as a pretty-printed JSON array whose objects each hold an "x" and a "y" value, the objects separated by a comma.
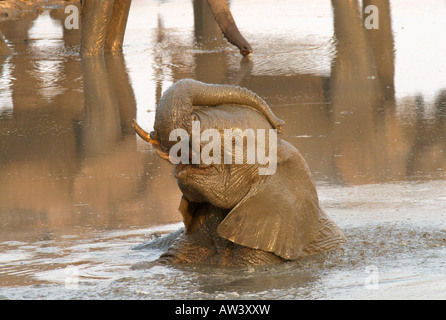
[{"x": 281, "y": 214}]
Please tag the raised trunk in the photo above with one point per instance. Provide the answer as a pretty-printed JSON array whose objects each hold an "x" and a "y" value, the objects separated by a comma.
[{"x": 176, "y": 107}]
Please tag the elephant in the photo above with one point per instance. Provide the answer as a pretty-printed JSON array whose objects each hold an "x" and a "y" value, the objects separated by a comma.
[
  {"x": 104, "y": 23},
  {"x": 232, "y": 215}
]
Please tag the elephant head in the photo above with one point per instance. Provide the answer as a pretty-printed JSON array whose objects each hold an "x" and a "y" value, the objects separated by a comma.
[
  {"x": 276, "y": 213},
  {"x": 178, "y": 104}
]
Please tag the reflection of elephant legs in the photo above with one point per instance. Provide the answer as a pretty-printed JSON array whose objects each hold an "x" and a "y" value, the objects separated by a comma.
[
  {"x": 103, "y": 25},
  {"x": 109, "y": 102},
  {"x": 382, "y": 46},
  {"x": 102, "y": 122},
  {"x": 122, "y": 89},
  {"x": 365, "y": 127}
]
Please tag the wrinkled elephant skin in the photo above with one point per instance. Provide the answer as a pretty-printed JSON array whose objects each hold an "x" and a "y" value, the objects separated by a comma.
[{"x": 232, "y": 215}]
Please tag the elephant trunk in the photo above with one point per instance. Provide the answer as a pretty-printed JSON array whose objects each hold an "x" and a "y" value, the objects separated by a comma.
[
  {"x": 223, "y": 16},
  {"x": 177, "y": 105}
]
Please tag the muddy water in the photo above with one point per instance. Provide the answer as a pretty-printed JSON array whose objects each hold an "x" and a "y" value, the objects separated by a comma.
[{"x": 366, "y": 108}]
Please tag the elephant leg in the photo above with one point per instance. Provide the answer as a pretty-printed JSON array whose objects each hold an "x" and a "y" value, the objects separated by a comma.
[
  {"x": 95, "y": 21},
  {"x": 116, "y": 27},
  {"x": 221, "y": 12}
]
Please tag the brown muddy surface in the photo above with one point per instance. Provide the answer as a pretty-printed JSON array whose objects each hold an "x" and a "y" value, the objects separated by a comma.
[{"x": 366, "y": 108}]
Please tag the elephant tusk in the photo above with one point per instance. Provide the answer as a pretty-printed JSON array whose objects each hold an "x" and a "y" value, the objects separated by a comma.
[
  {"x": 163, "y": 155},
  {"x": 149, "y": 138},
  {"x": 144, "y": 135}
]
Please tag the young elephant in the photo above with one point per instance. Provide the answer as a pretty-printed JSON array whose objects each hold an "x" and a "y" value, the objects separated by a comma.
[{"x": 233, "y": 214}]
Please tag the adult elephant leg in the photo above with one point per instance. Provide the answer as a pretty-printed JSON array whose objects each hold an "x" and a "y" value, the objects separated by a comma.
[
  {"x": 220, "y": 9},
  {"x": 95, "y": 20},
  {"x": 116, "y": 27}
]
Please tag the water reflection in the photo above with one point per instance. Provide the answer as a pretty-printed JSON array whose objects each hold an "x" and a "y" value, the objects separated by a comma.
[
  {"x": 371, "y": 144},
  {"x": 69, "y": 147},
  {"x": 346, "y": 124},
  {"x": 68, "y": 156},
  {"x": 357, "y": 93},
  {"x": 251, "y": 281},
  {"x": 71, "y": 157}
]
